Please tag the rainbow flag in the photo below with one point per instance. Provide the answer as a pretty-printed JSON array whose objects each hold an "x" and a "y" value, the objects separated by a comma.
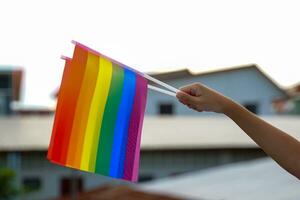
[{"x": 99, "y": 116}]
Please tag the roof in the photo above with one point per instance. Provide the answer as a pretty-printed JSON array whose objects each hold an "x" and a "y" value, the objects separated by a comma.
[
  {"x": 259, "y": 179},
  {"x": 32, "y": 133},
  {"x": 17, "y": 81},
  {"x": 184, "y": 73},
  {"x": 118, "y": 192},
  {"x": 24, "y": 109},
  {"x": 294, "y": 90}
]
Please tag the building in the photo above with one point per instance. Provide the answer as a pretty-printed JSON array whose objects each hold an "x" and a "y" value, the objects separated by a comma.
[
  {"x": 248, "y": 85},
  {"x": 185, "y": 144},
  {"x": 10, "y": 86},
  {"x": 119, "y": 193},
  {"x": 258, "y": 179},
  {"x": 11, "y": 79},
  {"x": 291, "y": 104}
]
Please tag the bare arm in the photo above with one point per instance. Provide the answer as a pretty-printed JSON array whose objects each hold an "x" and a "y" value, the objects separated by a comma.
[{"x": 283, "y": 148}]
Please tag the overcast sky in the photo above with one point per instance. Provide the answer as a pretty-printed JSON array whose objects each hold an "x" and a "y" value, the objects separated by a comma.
[{"x": 156, "y": 35}]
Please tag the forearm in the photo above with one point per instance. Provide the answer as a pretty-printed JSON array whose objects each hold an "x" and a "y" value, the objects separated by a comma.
[{"x": 283, "y": 148}]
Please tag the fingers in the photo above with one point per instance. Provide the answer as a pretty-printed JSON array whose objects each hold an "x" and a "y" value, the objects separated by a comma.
[
  {"x": 195, "y": 92},
  {"x": 193, "y": 89},
  {"x": 190, "y": 101},
  {"x": 190, "y": 96},
  {"x": 188, "y": 88},
  {"x": 186, "y": 98}
]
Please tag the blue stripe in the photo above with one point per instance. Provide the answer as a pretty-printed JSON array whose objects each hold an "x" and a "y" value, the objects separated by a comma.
[{"x": 122, "y": 124}]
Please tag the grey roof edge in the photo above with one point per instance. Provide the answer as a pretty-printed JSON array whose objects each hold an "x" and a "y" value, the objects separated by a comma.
[{"x": 185, "y": 72}]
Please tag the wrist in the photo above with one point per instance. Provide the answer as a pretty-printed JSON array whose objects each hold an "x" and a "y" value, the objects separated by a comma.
[{"x": 228, "y": 107}]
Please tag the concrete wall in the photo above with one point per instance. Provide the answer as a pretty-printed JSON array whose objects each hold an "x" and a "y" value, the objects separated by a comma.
[
  {"x": 161, "y": 163},
  {"x": 246, "y": 85},
  {"x": 35, "y": 165},
  {"x": 51, "y": 177},
  {"x": 153, "y": 164}
]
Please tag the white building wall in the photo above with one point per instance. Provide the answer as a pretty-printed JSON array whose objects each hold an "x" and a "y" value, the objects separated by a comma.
[
  {"x": 51, "y": 176},
  {"x": 246, "y": 85}
]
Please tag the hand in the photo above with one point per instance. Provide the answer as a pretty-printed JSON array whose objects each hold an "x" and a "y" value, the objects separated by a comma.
[{"x": 201, "y": 98}]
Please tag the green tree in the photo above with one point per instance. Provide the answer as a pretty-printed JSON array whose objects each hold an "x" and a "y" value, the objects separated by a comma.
[{"x": 7, "y": 187}]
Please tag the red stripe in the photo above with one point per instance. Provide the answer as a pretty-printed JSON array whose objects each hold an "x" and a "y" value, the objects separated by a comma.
[
  {"x": 58, "y": 107},
  {"x": 66, "y": 106}
]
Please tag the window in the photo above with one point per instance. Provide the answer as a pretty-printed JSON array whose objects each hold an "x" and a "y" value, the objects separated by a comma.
[
  {"x": 2, "y": 104},
  {"x": 5, "y": 81},
  {"x": 5, "y": 93},
  {"x": 71, "y": 185},
  {"x": 145, "y": 178},
  {"x": 166, "y": 109},
  {"x": 31, "y": 184},
  {"x": 252, "y": 107}
]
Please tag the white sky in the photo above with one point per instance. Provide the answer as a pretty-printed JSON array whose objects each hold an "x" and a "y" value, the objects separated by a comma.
[{"x": 156, "y": 35}]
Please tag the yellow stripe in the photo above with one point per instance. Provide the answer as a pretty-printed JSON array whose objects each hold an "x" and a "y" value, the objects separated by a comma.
[
  {"x": 96, "y": 114},
  {"x": 82, "y": 110}
]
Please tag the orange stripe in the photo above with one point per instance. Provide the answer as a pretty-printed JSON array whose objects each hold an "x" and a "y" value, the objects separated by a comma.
[
  {"x": 82, "y": 110},
  {"x": 68, "y": 95},
  {"x": 72, "y": 93}
]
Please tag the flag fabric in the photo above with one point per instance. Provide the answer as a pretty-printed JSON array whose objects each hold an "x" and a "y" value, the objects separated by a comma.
[{"x": 99, "y": 116}]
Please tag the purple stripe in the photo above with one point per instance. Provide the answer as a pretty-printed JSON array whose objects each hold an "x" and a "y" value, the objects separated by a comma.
[{"x": 135, "y": 128}]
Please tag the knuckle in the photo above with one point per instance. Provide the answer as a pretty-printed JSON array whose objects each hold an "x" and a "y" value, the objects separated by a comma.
[
  {"x": 197, "y": 84},
  {"x": 200, "y": 107}
]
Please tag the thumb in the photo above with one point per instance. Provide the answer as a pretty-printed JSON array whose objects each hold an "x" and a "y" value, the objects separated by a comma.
[{"x": 186, "y": 98}]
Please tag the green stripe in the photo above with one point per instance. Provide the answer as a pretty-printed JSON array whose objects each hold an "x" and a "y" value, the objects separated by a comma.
[{"x": 109, "y": 121}]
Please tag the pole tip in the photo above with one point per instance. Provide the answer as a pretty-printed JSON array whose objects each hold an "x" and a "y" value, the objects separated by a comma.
[{"x": 65, "y": 57}]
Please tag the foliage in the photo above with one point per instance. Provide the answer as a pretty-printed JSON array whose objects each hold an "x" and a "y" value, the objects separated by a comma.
[{"x": 7, "y": 188}]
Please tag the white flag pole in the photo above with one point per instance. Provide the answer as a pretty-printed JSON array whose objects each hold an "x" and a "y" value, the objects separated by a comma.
[
  {"x": 151, "y": 87},
  {"x": 150, "y": 78}
]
